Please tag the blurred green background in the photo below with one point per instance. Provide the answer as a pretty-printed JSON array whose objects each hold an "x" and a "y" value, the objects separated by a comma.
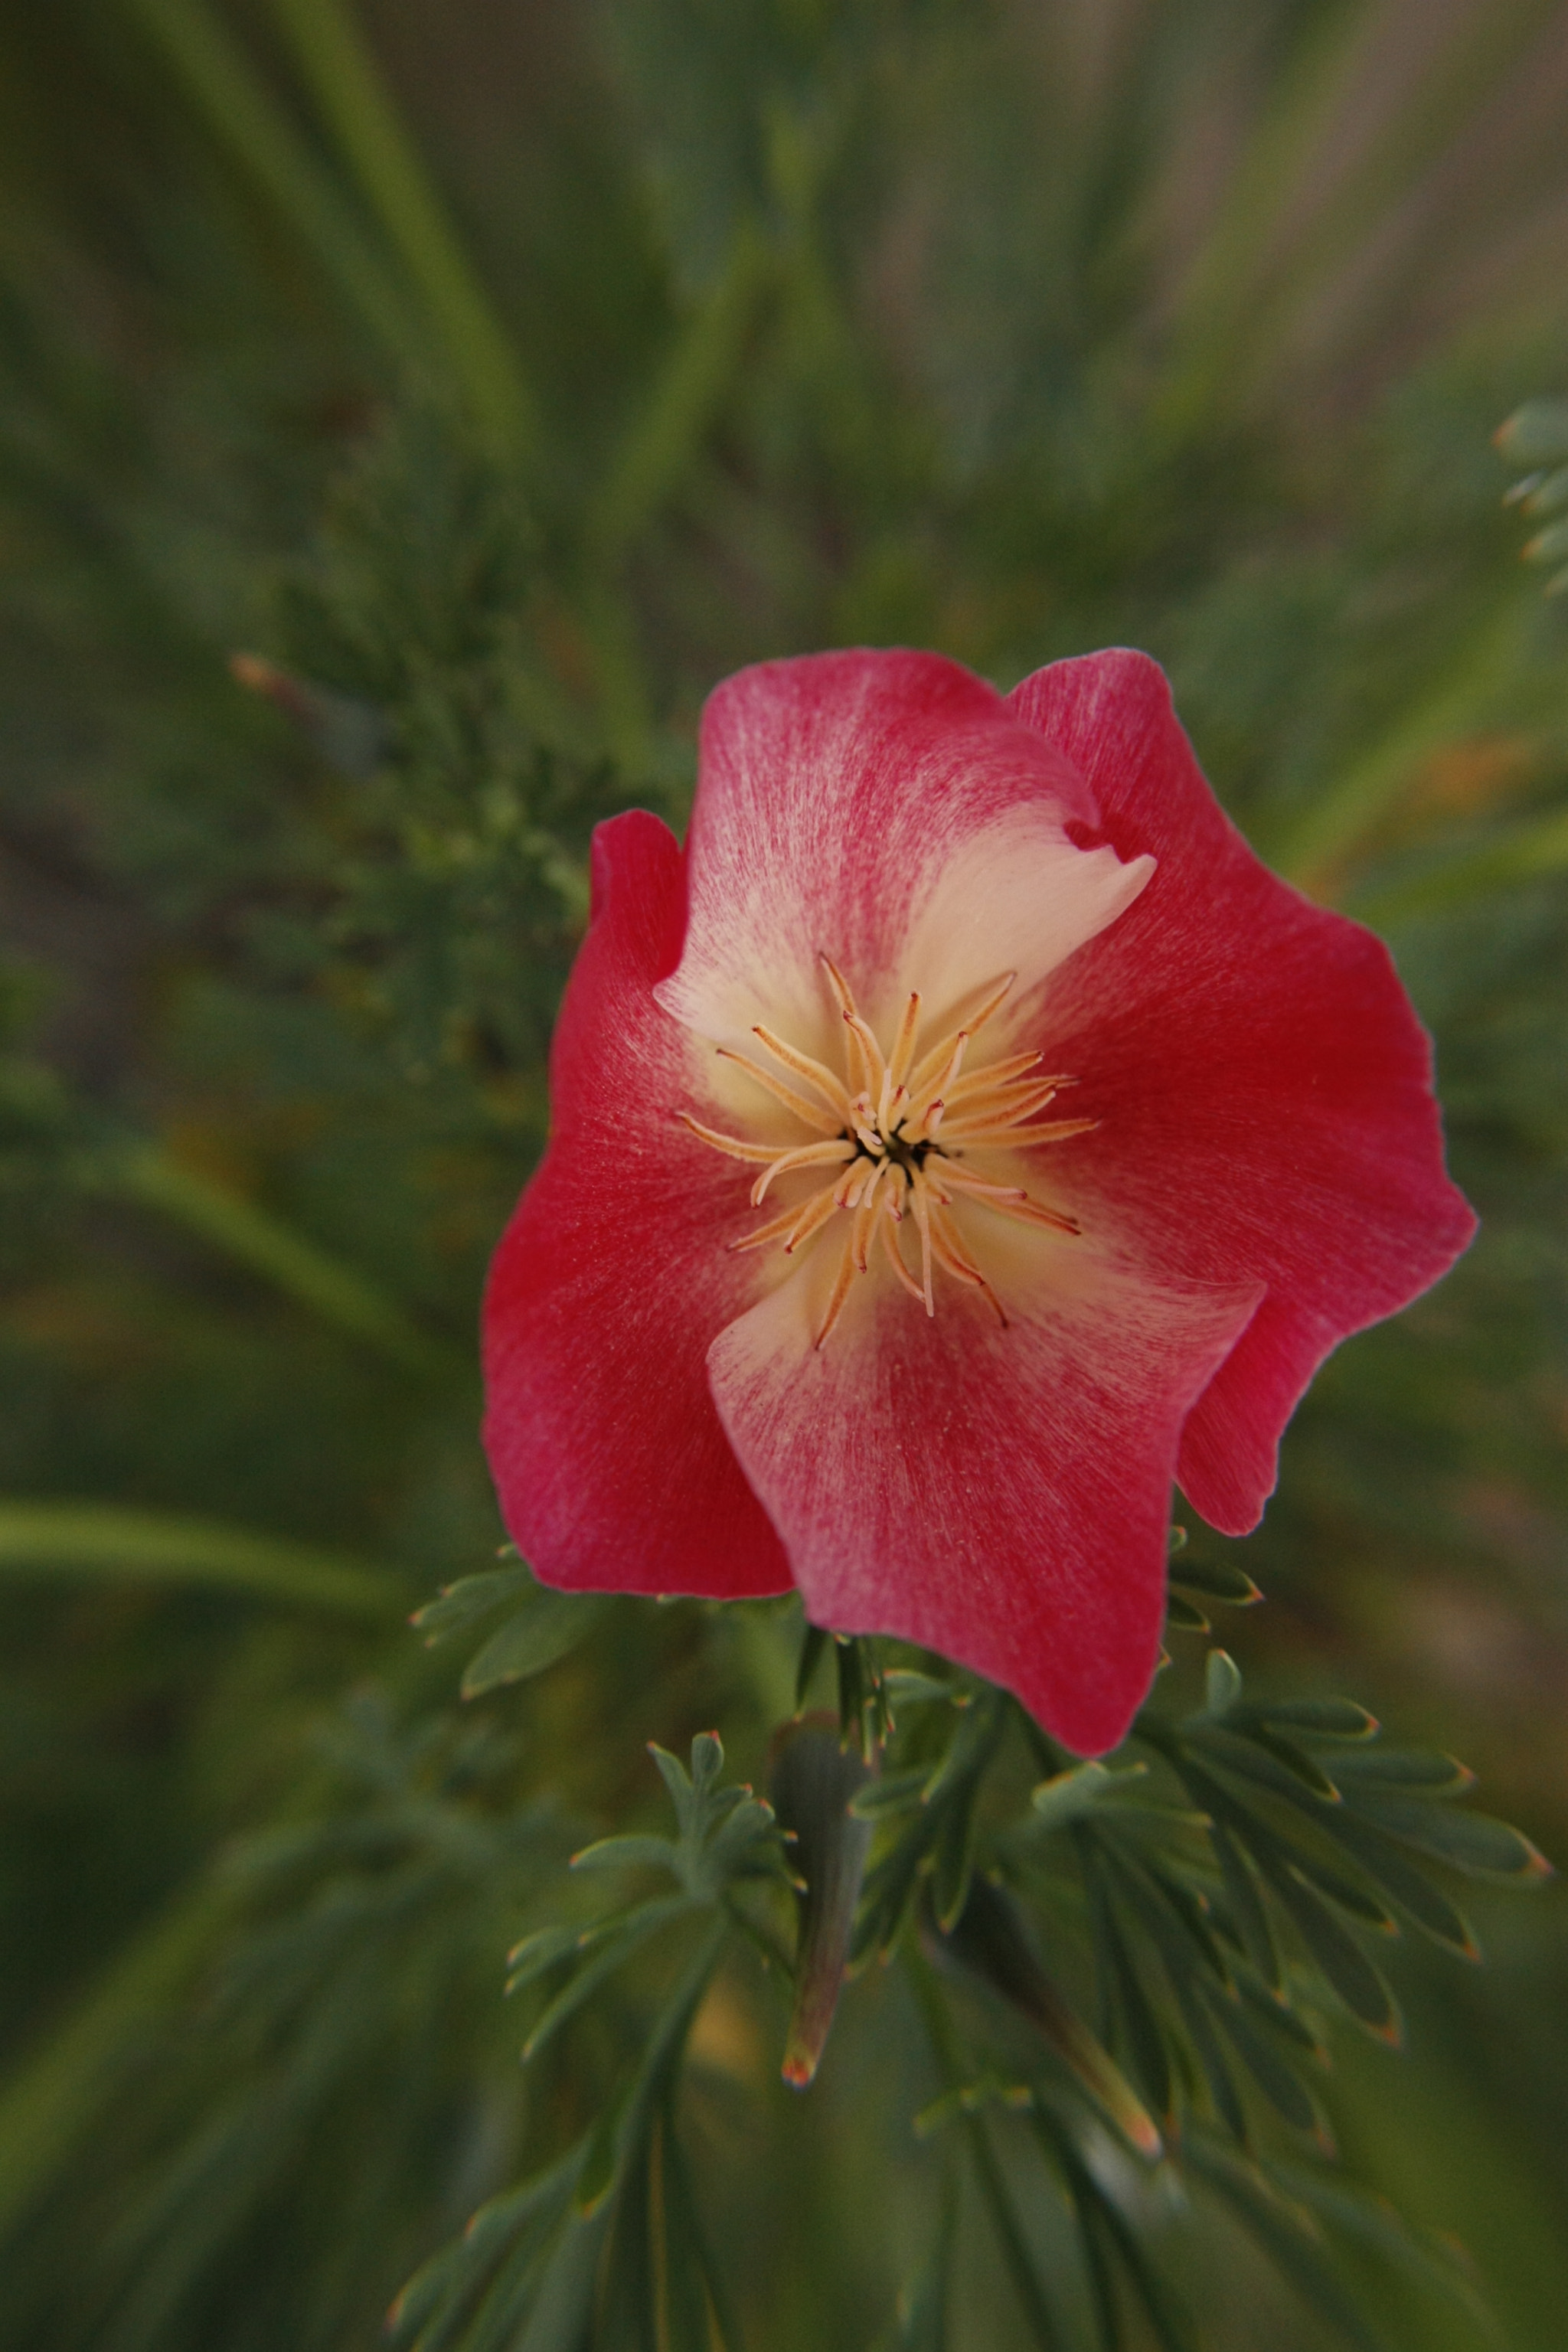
[{"x": 497, "y": 377}]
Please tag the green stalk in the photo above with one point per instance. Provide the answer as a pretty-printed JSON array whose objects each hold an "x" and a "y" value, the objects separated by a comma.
[
  {"x": 349, "y": 88},
  {"x": 336, "y": 1293},
  {"x": 103, "y": 1541},
  {"x": 237, "y": 109}
]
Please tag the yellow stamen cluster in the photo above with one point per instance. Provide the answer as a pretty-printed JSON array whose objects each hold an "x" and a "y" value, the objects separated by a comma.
[{"x": 896, "y": 1132}]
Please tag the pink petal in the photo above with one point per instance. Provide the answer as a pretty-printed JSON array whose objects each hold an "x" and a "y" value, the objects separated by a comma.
[
  {"x": 613, "y": 1279},
  {"x": 1000, "y": 1495},
  {"x": 1262, "y": 1083},
  {"x": 886, "y": 809}
]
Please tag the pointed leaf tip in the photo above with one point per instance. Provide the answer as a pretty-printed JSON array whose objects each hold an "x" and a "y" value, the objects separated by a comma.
[{"x": 1222, "y": 1682}]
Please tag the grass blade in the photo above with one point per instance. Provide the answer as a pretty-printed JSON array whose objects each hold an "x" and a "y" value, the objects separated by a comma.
[
  {"x": 238, "y": 111},
  {"x": 354, "y": 98},
  {"x": 100, "y": 1540}
]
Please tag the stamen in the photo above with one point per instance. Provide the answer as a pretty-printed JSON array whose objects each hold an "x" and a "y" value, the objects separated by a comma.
[
  {"x": 976, "y": 1021},
  {"x": 887, "y": 1226},
  {"x": 810, "y": 1155},
  {"x": 832, "y": 1089},
  {"x": 944, "y": 1242},
  {"x": 1030, "y": 1212},
  {"x": 960, "y": 1181},
  {"x": 866, "y": 1128},
  {"x": 997, "y": 1074},
  {"x": 939, "y": 1067},
  {"x": 774, "y": 1230},
  {"x": 876, "y": 1067},
  {"x": 1018, "y": 1100},
  {"x": 904, "y": 1043},
  {"x": 822, "y": 1121},
  {"x": 839, "y": 1292},
  {"x": 1019, "y": 1139},
  {"x": 866, "y": 1211},
  {"x": 838, "y": 984},
  {"x": 736, "y": 1147},
  {"x": 921, "y": 1205},
  {"x": 852, "y": 1183},
  {"x": 812, "y": 1218}
]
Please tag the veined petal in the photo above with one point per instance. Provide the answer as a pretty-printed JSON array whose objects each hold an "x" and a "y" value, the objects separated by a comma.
[
  {"x": 1000, "y": 1495},
  {"x": 887, "y": 810},
  {"x": 613, "y": 1471},
  {"x": 1262, "y": 1084}
]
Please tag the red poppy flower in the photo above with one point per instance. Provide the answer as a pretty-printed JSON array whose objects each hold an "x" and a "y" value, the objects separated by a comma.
[{"x": 961, "y": 1139}]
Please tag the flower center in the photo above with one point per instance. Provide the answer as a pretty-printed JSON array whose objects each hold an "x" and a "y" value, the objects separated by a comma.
[{"x": 898, "y": 1132}]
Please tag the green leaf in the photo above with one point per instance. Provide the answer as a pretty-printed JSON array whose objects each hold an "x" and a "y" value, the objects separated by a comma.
[
  {"x": 480, "y": 2288},
  {"x": 1338, "y": 1955},
  {"x": 953, "y": 1862},
  {"x": 1326, "y": 1719},
  {"x": 1474, "y": 1843},
  {"x": 604, "y": 1951},
  {"x": 1287, "y": 2234},
  {"x": 1274, "y": 2077},
  {"x": 893, "y": 1792},
  {"x": 906, "y": 1688},
  {"x": 601, "y": 2157},
  {"x": 1186, "y": 1969},
  {"x": 1183, "y": 1616},
  {"x": 1121, "y": 1976},
  {"x": 1278, "y": 1857},
  {"x": 626, "y": 1854},
  {"x": 1250, "y": 1917},
  {"x": 1536, "y": 433},
  {"x": 1190, "y": 1908},
  {"x": 1542, "y": 494},
  {"x": 990, "y": 1938},
  {"x": 1373, "y": 2223},
  {"x": 1403, "y": 1882},
  {"x": 726, "y": 1832},
  {"x": 1548, "y": 545},
  {"x": 1222, "y": 1683},
  {"x": 537, "y": 1954},
  {"x": 1215, "y": 1580},
  {"x": 1198, "y": 2015},
  {"x": 1072, "y": 1796},
  {"x": 549, "y": 1626},
  {"x": 1269, "y": 1763},
  {"x": 1435, "y": 1774},
  {"x": 459, "y": 1606},
  {"x": 1123, "y": 2218}
]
